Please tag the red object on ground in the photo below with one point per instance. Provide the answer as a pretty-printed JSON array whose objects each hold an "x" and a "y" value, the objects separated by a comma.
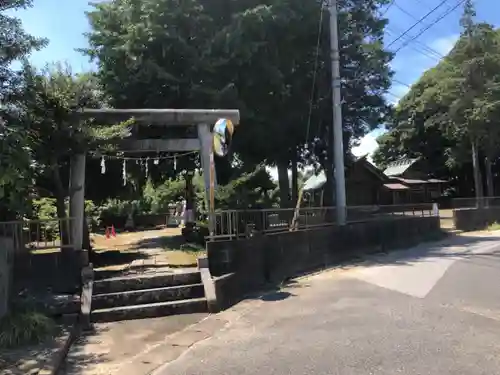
[
  {"x": 113, "y": 233},
  {"x": 107, "y": 232}
]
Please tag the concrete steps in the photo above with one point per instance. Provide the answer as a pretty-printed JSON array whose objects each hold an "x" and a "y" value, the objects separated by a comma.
[
  {"x": 157, "y": 280},
  {"x": 147, "y": 296},
  {"x": 151, "y": 310}
]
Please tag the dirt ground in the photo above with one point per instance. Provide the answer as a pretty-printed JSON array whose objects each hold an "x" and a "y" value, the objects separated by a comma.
[
  {"x": 128, "y": 240},
  {"x": 151, "y": 248},
  {"x": 111, "y": 347},
  {"x": 446, "y": 217}
]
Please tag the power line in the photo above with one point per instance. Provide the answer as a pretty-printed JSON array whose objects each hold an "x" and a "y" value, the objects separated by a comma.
[
  {"x": 422, "y": 48},
  {"x": 388, "y": 7},
  {"x": 405, "y": 12},
  {"x": 316, "y": 58},
  {"x": 419, "y": 21},
  {"x": 401, "y": 83},
  {"x": 432, "y": 24}
]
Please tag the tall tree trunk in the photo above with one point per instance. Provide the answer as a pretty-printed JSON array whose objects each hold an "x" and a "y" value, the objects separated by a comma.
[
  {"x": 64, "y": 226},
  {"x": 284, "y": 184},
  {"x": 295, "y": 180},
  {"x": 189, "y": 210},
  {"x": 478, "y": 180},
  {"x": 490, "y": 189}
]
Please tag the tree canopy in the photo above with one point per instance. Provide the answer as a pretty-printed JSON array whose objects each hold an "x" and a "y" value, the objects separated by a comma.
[
  {"x": 259, "y": 57},
  {"x": 452, "y": 107},
  {"x": 15, "y": 161},
  {"x": 269, "y": 59}
]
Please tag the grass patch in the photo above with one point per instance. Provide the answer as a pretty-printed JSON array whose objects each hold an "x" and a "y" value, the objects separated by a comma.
[
  {"x": 493, "y": 227},
  {"x": 181, "y": 253},
  {"x": 23, "y": 328}
]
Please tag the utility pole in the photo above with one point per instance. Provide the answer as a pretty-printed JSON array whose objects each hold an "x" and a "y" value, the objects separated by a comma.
[{"x": 337, "y": 137}]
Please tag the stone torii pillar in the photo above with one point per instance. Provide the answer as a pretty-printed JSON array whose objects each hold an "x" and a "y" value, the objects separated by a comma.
[{"x": 77, "y": 200}]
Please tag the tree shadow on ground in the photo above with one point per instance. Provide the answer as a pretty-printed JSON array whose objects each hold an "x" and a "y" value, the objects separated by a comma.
[
  {"x": 114, "y": 257},
  {"x": 173, "y": 243},
  {"x": 275, "y": 296},
  {"x": 32, "y": 354},
  {"x": 78, "y": 361}
]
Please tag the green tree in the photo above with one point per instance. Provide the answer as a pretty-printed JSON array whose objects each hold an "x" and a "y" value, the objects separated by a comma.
[
  {"x": 366, "y": 77},
  {"x": 449, "y": 117},
  {"x": 15, "y": 161},
  {"x": 52, "y": 97},
  {"x": 474, "y": 88},
  {"x": 258, "y": 57}
]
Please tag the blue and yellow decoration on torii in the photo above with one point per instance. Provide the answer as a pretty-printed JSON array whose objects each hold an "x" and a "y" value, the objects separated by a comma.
[{"x": 222, "y": 135}]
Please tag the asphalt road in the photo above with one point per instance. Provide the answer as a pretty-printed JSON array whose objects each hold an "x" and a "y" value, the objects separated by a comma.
[{"x": 428, "y": 310}]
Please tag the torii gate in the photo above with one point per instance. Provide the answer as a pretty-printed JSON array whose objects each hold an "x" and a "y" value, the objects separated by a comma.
[{"x": 201, "y": 118}]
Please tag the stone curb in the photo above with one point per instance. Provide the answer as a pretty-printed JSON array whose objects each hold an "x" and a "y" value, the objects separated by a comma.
[{"x": 54, "y": 365}]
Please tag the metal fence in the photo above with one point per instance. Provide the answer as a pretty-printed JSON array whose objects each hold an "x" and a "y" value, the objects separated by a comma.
[
  {"x": 483, "y": 202},
  {"x": 230, "y": 224},
  {"x": 38, "y": 234}
]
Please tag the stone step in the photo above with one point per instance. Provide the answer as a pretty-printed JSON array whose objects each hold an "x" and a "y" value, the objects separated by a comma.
[
  {"x": 136, "y": 282},
  {"x": 152, "y": 310},
  {"x": 145, "y": 296}
]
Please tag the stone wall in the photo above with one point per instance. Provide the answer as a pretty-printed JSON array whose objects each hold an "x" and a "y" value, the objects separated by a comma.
[
  {"x": 140, "y": 221},
  {"x": 6, "y": 256},
  {"x": 241, "y": 266},
  {"x": 475, "y": 218}
]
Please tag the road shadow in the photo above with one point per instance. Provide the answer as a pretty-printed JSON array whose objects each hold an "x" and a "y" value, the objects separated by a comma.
[{"x": 452, "y": 246}]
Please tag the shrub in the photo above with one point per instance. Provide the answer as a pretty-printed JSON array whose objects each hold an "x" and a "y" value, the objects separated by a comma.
[
  {"x": 24, "y": 327},
  {"x": 160, "y": 197},
  {"x": 46, "y": 209},
  {"x": 116, "y": 207}
]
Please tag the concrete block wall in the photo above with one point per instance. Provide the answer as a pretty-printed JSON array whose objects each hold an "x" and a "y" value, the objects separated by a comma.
[
  {"x": 245, "y": 265},
  {"x": 6, "y": 255},
  {"x": 468, "y": 219}
]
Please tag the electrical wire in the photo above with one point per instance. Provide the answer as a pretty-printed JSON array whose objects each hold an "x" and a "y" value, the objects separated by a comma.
[
  {"x": 430, "y": 25},
  {"x": 315, "y": 71},
  {"x": 420, "y": 47},
  {"x": 388, "y": 7},
  {"x": 424, "y": 47},
  {"x": 418, "y": 22},
  {"x": 401, "y": 83}
]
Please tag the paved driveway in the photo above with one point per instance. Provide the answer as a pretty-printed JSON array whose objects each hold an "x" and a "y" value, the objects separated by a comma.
[{"x": 428, "y": 310}]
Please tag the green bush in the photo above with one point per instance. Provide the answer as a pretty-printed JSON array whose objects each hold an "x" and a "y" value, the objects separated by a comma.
[
  {"x": 23, "y": 328},
  {"x": 116, "y": 207},
  {"x": 160, "y": 197},
  {"x": 92, "y": 213},
  {"x": 46, "y": 209}
]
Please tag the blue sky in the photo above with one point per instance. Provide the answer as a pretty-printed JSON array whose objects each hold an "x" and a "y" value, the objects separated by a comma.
[{"x": 63, "y": 22}]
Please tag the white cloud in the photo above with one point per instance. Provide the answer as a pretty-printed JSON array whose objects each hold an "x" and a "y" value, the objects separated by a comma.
[
  {"x": 368, "y": 144},
  {"x": 445, "y": 44},
  {"x": 273, "y": 171}
]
